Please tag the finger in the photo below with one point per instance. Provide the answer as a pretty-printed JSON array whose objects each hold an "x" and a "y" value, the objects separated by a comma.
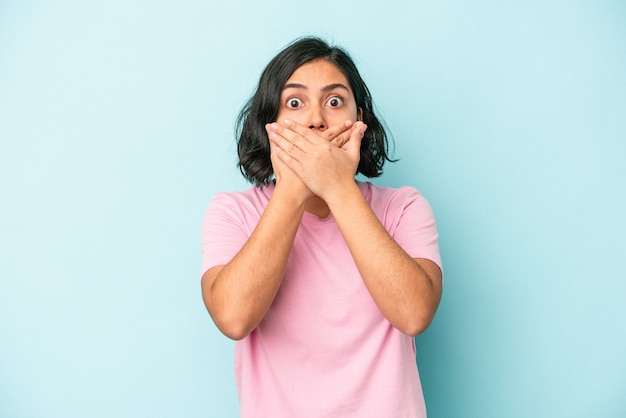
[
  {"x": 297, "y": 137},
  {"x": 296, "y": 132},
  {"x": 279, "y": 135},
  {"x": 284, "y": 140},
  {"x": 340, "y": 139},
  {"x": 319, "y": 137},
  {"x": 353, "y": 145},
  {"x": 334, "y": 132},
  {"x": 291, "y": 162}
]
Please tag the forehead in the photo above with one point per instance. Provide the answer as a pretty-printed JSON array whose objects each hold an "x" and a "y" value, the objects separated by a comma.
[{"x": 320, "y": 72}]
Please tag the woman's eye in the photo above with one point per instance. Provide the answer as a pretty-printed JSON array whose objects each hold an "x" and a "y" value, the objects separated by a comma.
[
  {"x": 294, "y": 103},
  {"x": 335, "y": 101}
]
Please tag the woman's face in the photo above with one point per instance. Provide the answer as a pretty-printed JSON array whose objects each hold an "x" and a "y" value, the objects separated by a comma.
[{"x": 318, "y": 96}]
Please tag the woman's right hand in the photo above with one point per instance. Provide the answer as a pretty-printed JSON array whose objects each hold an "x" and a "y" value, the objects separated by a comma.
[{"x": 286, "y": 178}]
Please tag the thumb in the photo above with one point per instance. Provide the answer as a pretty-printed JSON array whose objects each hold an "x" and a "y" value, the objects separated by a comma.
[{"x": 353, "y": 146}]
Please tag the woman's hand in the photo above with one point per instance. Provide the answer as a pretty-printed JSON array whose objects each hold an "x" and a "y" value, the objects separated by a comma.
[
  {"x": 286, "y": 178},
  {"x": 323, "y": 161}
]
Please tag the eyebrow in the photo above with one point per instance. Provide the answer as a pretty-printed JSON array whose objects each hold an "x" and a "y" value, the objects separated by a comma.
[{"x": 324, "y": 89}]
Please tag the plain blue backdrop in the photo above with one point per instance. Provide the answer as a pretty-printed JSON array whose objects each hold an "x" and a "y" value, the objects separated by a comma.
[{"x": 116, "y": 129}]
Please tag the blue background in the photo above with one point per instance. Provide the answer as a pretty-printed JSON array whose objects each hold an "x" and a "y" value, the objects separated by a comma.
[{"x": 116, "y": 128}]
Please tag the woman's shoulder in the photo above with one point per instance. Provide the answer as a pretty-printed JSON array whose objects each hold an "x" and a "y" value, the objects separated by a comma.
[
  {"x": 255, "y": 196},
  {"x": 391, "y": 202},
  {"x": 374, "y": 193}
]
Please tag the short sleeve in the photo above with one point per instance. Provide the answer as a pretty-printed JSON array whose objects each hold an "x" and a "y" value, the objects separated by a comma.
[
  {"x": 412, "y": 224},
  {"x": 224, "y": 232}
]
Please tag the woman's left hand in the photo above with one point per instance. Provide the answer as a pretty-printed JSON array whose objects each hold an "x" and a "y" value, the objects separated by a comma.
[{"x": 324, "y": 167}]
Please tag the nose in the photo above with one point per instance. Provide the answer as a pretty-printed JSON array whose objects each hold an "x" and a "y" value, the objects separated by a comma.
[{"x": 317, "y": 119}]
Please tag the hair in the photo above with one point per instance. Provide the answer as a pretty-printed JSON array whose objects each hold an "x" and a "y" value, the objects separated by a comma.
[{"x": 252, "y": 142}]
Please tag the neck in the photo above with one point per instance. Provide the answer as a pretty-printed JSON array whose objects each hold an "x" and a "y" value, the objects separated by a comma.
[{"x": 317, "y": 206}]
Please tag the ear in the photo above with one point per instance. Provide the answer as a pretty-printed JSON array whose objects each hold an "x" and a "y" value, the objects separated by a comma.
[{"x": 359, "y": 115}]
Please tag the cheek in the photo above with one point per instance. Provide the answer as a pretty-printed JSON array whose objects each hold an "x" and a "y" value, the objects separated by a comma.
[
  {"x": 280, "y": 115},
  {"x": 290, "y": 114},
  {"x": 349, "y": 111},
  {"x": 352, "y": 113},
  {"x": 299, "y": 117}
]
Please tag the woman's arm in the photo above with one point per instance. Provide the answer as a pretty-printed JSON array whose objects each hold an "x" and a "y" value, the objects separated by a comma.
[
  {"x": 238, "y": 294},
  {"x": 406, "y": 290}
]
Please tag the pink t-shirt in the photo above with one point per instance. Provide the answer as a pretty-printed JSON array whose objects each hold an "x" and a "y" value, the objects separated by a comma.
[{"x": 324, "y": 349}]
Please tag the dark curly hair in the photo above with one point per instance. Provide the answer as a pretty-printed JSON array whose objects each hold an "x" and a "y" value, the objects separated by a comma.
[{"x": 252, "y": 141}]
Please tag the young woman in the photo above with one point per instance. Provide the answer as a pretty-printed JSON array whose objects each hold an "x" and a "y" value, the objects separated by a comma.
[{"x": 322, "y": 280}]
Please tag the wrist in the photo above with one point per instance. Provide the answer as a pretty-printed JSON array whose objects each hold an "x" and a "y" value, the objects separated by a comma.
[
  {"x": 293, "y": 194},
  {"x": 339, "y": 197}
]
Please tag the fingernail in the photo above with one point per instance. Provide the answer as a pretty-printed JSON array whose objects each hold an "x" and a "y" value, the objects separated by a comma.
[{"x": 287, "y": 122}]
